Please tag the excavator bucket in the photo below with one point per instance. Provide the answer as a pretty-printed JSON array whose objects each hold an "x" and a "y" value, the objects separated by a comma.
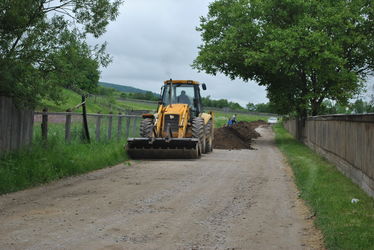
[{"x": 163, "y": 148}]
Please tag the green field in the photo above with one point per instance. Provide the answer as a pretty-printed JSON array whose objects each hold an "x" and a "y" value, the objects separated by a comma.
[
  {"x": 95, "y": 104},
  {"x": 328, "y": 193},
  {"x": 44, "y": 163}
]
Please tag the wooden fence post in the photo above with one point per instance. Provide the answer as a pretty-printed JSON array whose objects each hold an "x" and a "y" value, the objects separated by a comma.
[
  {"x": 98, "y": 126},
  {"x": 86, "y": 132},
  {"x": 44, "y": 125},
  {"x": 119, "y": 128},
  {"x": 110, "y": 120},
  {"x": 134, "y": 127},
  {"x": 68, "y": 126},
  {"x": 128, "y": 120}
]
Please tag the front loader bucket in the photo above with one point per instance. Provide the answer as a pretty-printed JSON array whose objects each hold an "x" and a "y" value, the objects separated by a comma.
[{"x": 161, "y": 148}]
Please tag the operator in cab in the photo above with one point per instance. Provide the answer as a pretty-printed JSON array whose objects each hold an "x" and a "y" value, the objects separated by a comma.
[{"x": 183, "y": 98}]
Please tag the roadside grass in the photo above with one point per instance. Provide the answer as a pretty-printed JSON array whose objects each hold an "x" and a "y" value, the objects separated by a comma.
[
  {"x": 44, "y": 163},
  {"x": 328, "y": 193},
  {"x": 41, "y": 163}
]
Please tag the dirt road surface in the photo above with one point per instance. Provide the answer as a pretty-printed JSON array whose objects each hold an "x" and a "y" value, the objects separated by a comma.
[{"x": 239, "y": 199}]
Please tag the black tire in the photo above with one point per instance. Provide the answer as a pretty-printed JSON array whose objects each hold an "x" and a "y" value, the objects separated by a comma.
[
  {"x": 209, "y": 137},
  {"x": 146, "y": 128},
  {"x": 198, "y": 131}
]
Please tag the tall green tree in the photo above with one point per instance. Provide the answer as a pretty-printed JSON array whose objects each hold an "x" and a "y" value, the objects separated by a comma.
[
  {"x": 43, "y": 46},
  {"x": 304, "y": 52}
]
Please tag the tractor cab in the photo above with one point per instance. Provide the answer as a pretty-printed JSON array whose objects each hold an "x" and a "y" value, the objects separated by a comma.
[{"x": 182, "y": 92}]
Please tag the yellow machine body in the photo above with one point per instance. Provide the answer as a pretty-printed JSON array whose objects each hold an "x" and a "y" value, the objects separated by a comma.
[{"x": 173, "y": 132}]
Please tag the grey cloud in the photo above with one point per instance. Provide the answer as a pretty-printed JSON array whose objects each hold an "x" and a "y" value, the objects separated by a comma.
[{"x": 154, "y": 40}]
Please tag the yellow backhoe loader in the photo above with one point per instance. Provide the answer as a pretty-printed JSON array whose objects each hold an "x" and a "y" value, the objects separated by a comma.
[{"x": 179, "y": 129}]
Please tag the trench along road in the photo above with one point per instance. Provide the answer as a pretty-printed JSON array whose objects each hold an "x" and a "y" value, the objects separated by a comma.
[{"x": 239, "y": 199}]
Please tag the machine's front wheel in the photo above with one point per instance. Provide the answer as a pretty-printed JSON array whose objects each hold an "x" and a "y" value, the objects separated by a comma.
[
  {"x": 198, "y": 131},
  {"x": 146, "y": 128}
]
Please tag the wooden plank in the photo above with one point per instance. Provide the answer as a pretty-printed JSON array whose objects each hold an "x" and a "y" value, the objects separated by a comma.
[
  {"x": 128, "y": 122},
  {"x": 86, "y": 132},
  {"x": 3, "y": 118},
  {"x": 14, "y": 125},
  {"x": 134, "y": 128},
  {"x": 21, "y": 128},
  {"x": 29, "y": 127},
  {"x": 44, "y": 125},
  {"x": 119, "y": 127},
  {"x": 14, "y": 129},
  {"x": 98, "y": 127},
  {"x": 110, "y": 121},
  {"x": 68, "y": 127},
  {"x": 370, "y": 150}
]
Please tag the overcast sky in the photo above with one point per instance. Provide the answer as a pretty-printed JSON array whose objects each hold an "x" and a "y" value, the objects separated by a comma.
[
  {"x": 152, "y": 41},
  {"x": 155, "y": 40}
]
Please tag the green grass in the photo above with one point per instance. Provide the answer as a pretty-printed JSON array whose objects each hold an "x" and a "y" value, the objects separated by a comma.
[
  {"x": 329, "y": 193},
  {"x": 41, "y": 164},
  {"x": 99, "y": 104},
  {"x": 44, "y": 163},
  {"x": 72, "y": 99},
  {"x": 136, "y": 105}
]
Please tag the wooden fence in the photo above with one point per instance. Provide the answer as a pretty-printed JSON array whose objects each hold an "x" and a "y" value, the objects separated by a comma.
[
  {"x": 345, "y": 140},
  {"x": 117, "y": 126},
  {"x": 16, "y": 125}
]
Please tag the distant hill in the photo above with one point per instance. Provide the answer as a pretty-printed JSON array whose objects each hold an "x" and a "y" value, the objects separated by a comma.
[{"x": 122, "y": 88}]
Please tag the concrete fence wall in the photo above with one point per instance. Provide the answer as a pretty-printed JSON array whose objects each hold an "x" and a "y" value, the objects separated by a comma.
[
  {"x": 345, "y": 140},
  {"x": 16, "y": 125}
]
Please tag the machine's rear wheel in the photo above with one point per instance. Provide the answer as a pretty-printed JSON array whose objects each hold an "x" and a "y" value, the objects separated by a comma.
[
  {"x": 198, "y": 131},
  {"x": 209, "y": 137},
  {"x": 146, "y": 128}
]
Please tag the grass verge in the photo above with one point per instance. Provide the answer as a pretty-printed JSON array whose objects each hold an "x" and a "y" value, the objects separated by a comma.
[
  {"x": 328, "y": 193},
  {"x": 41, "y": 164}
]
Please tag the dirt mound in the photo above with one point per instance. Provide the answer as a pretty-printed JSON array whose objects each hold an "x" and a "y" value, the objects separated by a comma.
[{"x": 238, "y": 136}]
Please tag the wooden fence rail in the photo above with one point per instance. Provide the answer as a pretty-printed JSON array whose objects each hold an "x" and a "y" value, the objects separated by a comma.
[{"x": 131, "y": 126}]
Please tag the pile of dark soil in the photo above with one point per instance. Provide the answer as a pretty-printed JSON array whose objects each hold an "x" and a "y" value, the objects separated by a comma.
[{"x": 238, "y": 136}]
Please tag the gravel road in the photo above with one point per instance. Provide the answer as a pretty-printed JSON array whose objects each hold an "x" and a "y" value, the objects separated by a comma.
[{"x": 239, "y": 199}]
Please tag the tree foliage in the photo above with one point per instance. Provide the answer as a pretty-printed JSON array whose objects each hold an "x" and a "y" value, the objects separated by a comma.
[
  {"x": 43, "y": 47},
  {"x": 261, "y": 107},
  {"x": 304, "y": 52},
  {"x": 220, "y": 103}
]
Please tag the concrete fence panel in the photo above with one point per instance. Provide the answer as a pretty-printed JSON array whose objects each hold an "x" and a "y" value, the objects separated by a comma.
[{"x": 345, "y": 140}]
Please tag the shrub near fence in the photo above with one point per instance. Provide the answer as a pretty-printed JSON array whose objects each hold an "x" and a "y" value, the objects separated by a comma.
[{"x": 345, "y": 140}]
